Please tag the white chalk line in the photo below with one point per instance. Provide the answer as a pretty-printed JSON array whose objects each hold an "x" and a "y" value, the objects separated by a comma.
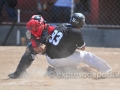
[
  {"x": 14, "y": 83},
  {"x": 23, "y": 83}
]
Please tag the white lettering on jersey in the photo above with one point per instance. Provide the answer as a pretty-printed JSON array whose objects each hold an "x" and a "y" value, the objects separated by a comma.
[
  {"x": 56, "y": 37},
  {"x": 53, "y": 35}
]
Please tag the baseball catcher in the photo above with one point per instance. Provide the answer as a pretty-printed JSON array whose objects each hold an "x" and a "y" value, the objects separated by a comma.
[{"x": 37, "y": 32}]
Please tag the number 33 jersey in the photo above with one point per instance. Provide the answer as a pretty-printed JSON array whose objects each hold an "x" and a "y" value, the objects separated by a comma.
[{"x": 63, "y": 42}]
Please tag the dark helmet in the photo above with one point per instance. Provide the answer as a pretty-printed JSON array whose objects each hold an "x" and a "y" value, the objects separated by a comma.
[
  {"x": 38, "y": 17},
  {"x": 77, "y": 20}
]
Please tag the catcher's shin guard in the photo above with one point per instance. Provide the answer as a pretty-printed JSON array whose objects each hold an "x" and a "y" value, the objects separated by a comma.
[{"x": 24, "y": 63}]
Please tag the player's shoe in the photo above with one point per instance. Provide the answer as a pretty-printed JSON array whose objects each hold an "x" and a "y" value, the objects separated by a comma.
[
  {"x": 50, "y": 72},
  {"x": 13, "y": 75},
  {"x": 16, "y": 75}
]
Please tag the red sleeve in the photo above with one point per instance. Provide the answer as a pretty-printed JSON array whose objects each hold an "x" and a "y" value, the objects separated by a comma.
[
  {"x": 33, "y": 43},
  {"x": 51, "y": 29}
]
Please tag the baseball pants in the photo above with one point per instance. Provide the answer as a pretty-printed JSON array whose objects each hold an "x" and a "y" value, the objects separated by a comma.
[{"x": 81, "y": 57}]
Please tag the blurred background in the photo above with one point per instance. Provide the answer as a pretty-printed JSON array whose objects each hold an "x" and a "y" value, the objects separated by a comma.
[{"x": 102, "y": 19}]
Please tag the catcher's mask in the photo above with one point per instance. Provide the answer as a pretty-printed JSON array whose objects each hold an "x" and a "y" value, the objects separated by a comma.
[{"x": 36, "y": 25}]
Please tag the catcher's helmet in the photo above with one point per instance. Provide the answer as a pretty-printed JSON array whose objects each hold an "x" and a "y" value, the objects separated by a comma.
[
  {"x": 36, "y": 25},
  {"x": 77, "y": 20},
  {"x": 38, "y": 17}
]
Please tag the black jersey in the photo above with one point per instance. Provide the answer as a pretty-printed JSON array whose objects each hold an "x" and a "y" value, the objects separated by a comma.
[{"x": 64, "y": 41}]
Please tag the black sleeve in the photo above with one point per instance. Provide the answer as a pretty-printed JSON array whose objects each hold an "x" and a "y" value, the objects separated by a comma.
[{"x": 79, "y": 40}]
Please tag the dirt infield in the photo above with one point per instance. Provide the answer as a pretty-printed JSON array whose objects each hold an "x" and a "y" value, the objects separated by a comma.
[{"x": 10, "y": 56}]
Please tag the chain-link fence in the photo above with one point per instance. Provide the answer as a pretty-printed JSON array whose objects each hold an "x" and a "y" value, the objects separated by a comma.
[{"x": 97, "y": 12}]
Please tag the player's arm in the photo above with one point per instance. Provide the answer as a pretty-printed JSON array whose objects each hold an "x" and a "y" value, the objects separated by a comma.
[
  {"x": 81, "y": 48},
  {"x": 80, "y": 42},
  {"x": 37, "y": 47},
  {"x": 51, "y": 29},
  {"x": 40, "y": 49}
]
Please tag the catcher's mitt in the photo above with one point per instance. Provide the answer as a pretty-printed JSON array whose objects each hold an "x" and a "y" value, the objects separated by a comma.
[
  {"x": 41, "y": 49},
  {"x": 43, "y": 46}
]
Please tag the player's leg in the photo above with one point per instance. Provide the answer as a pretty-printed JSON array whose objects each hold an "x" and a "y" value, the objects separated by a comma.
[
  {"x": 65, "y": 62},
  {"x": 94, "y": 62},
  {"x": 25, "y": 62},
  {"x": 81, "y": 56}
]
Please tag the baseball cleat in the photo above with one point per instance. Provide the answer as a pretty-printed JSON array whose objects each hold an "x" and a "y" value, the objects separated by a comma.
[
  {"x": 13, "y": 75},
  {"x": 50, "y": 72},
  {"x": 16, "y": 75}
]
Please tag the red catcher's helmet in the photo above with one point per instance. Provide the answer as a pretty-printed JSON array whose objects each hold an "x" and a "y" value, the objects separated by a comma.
[{"x": 36, "y": 25}]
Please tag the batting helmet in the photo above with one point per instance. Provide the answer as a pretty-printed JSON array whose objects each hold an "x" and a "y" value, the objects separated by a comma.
[
  {"x": 77, "y": 20},
  {"x": 36, "y": 25}
]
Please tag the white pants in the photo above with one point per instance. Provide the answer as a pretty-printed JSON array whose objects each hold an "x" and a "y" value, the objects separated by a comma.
[{"x": 78, "y": 57}]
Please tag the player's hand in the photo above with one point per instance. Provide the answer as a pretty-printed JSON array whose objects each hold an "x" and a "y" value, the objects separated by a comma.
[
  {"x": 40, "y": 49},
  {"x": 43, "y": 46}
]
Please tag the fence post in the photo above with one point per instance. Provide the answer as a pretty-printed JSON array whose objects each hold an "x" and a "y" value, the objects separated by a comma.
[
  {"x": 72, "y": 7},
  {"x": 18, "y": 28}
]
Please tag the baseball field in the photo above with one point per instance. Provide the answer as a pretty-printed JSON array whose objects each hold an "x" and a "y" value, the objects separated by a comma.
[{"x": 80, "y": 80}]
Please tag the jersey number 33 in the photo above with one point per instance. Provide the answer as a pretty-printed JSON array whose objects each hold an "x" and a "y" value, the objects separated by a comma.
[{"x": 56, "y": 37}]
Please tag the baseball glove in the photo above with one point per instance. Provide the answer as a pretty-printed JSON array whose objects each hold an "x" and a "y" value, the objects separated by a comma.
[
  {"x": 41, "y": 49},
  {"x": 43, "y": 46}
]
